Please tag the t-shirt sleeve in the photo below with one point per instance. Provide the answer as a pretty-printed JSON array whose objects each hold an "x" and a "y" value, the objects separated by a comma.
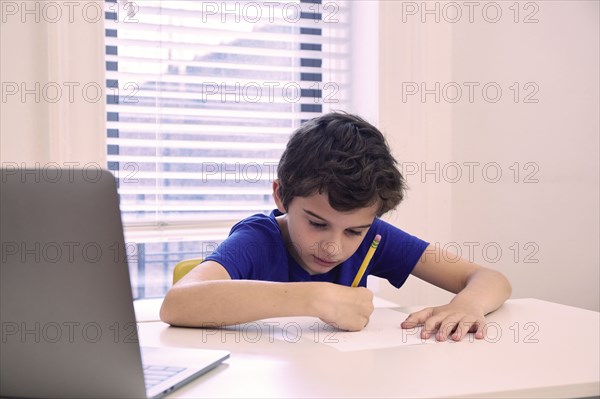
[
  {"x": 252, "y": 251},
  {"x": 397, "y": 255}
]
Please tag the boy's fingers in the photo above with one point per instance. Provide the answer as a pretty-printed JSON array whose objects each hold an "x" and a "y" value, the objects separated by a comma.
[
  {"x": 417, "y": 318},
  {"x": 467, "y": 326},
  {"x": 447, "y": 326},
  {"x": 479, "y": 329},
  {"x": 431, "y": 325},
  {"x": 463, "y": 327},
  {"x": 444, "y": 324}
]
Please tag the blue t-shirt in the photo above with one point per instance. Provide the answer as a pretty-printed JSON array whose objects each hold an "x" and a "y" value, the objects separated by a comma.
[{"x": 255, "y": 250}]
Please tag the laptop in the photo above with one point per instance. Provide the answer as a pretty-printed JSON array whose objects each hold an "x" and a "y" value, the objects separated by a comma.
[{"x": 66, "y": 308}]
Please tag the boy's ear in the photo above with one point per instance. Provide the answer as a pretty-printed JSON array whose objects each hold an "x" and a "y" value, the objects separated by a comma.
[{"x": 278, "y": 202}]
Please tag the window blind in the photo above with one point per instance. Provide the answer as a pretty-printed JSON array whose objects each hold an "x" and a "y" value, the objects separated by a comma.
[{"x": 202, "y": 97}]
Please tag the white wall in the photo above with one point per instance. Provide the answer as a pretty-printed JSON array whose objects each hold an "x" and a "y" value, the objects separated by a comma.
[
  {"x": 554, "y": 217},
  {"x": 557, "y": 216},
  {"x": 43, "y": 49}
]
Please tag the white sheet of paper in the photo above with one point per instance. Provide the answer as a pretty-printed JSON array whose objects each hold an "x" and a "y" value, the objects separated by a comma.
[{"x": 383, "y": 331}]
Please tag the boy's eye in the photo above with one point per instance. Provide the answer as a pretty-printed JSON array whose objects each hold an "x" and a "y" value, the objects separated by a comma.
[
  {"x": 317, "y": 225},
  {"x": 354, "y": 232}
]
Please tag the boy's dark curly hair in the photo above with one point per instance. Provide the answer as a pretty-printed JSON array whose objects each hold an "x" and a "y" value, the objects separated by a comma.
[{"x": 344, "y": 156}]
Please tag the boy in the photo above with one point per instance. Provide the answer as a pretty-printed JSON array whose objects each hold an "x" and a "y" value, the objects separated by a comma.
[{"x": 335, "y": 179}]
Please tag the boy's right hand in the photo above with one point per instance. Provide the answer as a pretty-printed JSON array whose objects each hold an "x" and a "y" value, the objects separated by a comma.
[{"x": 346, "y": 308}]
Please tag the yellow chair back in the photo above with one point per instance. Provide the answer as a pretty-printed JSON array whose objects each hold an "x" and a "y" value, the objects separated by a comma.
[{"x": 182, "y": 268}]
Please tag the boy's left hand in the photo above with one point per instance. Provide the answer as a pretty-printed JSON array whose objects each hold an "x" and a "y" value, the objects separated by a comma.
[{"x": 451, "y": 320}]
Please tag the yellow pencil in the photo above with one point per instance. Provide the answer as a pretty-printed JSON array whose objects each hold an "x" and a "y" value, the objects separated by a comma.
[{"x": 365, "y": 262}]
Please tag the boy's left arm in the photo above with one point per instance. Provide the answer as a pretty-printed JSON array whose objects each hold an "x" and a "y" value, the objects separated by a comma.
[{"x": 479, "y": 291}]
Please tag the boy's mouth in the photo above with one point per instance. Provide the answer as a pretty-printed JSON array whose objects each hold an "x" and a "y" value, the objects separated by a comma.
[{"x": 324, "y": 262}]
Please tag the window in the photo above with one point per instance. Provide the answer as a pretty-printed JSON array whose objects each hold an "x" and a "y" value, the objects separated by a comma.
[{"x": 201, "y": 99}]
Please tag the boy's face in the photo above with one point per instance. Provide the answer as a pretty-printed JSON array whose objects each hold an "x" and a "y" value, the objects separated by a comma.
[{"x": 320, "y": 237}]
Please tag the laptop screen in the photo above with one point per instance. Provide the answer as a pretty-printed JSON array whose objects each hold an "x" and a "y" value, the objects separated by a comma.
[{"x": 67, "y": 318}]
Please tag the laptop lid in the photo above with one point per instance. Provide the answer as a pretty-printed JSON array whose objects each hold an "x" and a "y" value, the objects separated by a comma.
[{"x": 66, "y": 309}]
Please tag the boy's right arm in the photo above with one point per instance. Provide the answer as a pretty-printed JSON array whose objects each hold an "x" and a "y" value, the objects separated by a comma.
[{"x": 208, "y": 297}]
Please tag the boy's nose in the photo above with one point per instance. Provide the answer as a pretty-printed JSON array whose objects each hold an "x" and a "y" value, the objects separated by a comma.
[{"x": 330, "y": 248}]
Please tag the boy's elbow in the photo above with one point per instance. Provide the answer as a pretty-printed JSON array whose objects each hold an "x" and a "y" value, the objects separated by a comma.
[
  {"x": 168, "y": 309},
  {"x": 505, "y": 284},
  {"x": 508, "y": 288}
]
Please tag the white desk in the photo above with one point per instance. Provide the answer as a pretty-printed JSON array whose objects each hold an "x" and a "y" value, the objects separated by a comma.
[{"x": 535, "y": 349}]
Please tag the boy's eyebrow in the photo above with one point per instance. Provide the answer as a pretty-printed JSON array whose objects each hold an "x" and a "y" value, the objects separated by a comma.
[{"x": 325, "y": 220}]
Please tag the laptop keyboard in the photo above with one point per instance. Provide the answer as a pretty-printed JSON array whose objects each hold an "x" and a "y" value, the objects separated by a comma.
[{"x": 156, "y": 374}]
